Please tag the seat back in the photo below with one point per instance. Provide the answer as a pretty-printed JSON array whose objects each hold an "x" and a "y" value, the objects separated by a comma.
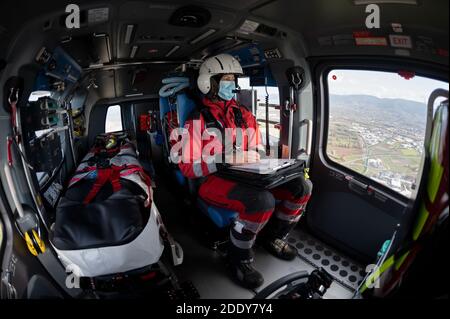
[
  {"x": 173, "y": 106},
  {"x": 431, "y": 198},
  {"x": 165, "y": 107},
  {"x": 184, "y": 104}
]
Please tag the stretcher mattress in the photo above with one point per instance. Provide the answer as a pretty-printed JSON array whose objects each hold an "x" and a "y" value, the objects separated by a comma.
[{"x": 117, "y": 229}]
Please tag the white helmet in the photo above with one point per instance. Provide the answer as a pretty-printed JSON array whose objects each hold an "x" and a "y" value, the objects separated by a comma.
[{"x": 219, "y": 64}]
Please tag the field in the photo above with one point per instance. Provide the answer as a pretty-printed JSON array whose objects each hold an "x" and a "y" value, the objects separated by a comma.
[{"x": 382, "y": 161}]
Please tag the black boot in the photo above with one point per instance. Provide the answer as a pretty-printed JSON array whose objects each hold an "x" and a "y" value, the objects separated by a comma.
[
  {"x": 273, "y": 239},
  {"x": 240, "y": 264},
  {"x": 280, "y": 248},
  {"x": 244, "y": 273}
]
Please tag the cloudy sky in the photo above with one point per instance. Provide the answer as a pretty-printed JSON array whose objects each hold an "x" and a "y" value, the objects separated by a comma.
[{"x": 382, "y": 85}]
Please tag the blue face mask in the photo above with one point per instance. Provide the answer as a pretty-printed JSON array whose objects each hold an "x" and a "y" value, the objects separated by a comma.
[{"x": 226, "y": 89}]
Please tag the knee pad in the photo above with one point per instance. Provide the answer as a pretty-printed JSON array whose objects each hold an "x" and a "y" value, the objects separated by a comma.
[
  {"x": 302, "y": 188},
  {"x": 254, "y": 201}
]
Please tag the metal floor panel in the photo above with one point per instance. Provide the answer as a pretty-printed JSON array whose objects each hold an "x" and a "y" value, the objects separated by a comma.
[{"x": 344, "y": 270}]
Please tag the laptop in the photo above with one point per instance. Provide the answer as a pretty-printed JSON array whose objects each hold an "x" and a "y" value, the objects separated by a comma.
[{"x": 264, "y": 166}]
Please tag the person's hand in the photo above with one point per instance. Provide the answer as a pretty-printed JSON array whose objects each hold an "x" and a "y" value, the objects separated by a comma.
[{"x": 245, "y": 157}]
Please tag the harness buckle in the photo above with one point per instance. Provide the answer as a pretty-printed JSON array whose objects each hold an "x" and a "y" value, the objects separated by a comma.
[{"x": 13, "y": 96}]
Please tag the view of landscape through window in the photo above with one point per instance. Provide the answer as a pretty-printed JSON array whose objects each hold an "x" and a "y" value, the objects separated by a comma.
[
  {"x": 113, "y": 122},
  {"x": 377, "y": 124}
]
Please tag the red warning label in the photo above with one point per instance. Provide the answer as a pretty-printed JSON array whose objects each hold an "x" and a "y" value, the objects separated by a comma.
[{"x": 371, "y": 41}]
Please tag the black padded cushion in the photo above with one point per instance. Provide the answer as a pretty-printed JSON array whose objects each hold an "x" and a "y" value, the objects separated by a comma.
[{"x": 111, "y": 219}]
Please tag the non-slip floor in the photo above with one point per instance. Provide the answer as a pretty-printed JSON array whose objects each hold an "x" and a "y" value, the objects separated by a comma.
[{"x": 343, "y": 269}]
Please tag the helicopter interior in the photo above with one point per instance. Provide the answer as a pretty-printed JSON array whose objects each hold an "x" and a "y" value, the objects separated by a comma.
[{"x": 103, "y": 78}]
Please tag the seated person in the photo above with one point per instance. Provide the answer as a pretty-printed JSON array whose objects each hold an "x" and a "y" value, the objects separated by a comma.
[{"x": 256, "y": 208}]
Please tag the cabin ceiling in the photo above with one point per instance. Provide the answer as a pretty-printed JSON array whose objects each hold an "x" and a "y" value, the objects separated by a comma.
[
  {"x": 154, "y": 37},
  {"x": 141, "y": 31}
]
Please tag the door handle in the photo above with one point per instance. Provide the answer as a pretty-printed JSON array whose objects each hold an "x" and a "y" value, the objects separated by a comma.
[{"x": 357, "y": 186}]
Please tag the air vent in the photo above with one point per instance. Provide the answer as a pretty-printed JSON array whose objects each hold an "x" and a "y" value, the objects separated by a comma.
[
  {"x": 190, "y": 16},
  {"x": 265, "y": 29},
  {"x": 47, "y": 25}
]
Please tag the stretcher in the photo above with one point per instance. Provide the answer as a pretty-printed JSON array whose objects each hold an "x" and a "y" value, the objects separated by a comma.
[{"x": 106, "y": 222}]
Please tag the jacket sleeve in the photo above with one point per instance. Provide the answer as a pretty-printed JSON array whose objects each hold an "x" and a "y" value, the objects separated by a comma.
[{"x": 193, "y": 164}]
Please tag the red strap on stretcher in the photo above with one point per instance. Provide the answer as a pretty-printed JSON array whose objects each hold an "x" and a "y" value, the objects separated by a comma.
[
  {"x": 9, "y": 150},
  {"x": 111, "y": 174},
  {"x": 13, "y": 105}
]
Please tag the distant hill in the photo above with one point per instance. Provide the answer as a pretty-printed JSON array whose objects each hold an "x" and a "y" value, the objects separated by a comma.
[{"x": 393, "y": 111}]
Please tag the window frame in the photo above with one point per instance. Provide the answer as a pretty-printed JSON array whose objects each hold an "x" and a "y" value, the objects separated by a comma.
[
  {"x": 393, "y": 65},
  {"x": 121, "y": 118},
  {"x": 263, "y": 102}
]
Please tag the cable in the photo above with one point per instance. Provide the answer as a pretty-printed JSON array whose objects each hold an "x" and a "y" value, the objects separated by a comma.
[{"x": 267, "y": 121}]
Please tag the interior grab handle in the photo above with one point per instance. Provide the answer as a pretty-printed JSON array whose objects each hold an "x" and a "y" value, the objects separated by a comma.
[
  {"x": 309, "y": 132},
  {"x": 357, "y": 186}
]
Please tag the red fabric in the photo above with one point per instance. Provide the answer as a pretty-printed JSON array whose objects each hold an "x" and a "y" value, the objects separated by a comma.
[
  {"x": 223, "y": 112},
  {"x": 103, "y": 176},
  {"x": 216, "y": 190},
  {"x": 144, "y": 122},
  {"x": 111, "y": 174}
]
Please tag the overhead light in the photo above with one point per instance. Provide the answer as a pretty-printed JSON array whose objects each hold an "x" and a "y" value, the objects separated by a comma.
[
  {"x": 203, "y": 36},
  {"x": 175, "y": 48},
  {"x": 134, "y": 95},
  {"x": 129, "y": 33},
  {"x": 367, "y": 2},
  {"x": 134, "y": 49},
  {"x": 99, "y": 35}
]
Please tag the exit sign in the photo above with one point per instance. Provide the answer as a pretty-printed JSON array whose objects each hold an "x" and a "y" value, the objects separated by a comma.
[{"x": 400, "y": 41}]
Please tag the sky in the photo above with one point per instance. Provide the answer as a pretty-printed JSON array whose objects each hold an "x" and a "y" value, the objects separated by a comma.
[
  {"x": 113, "y": 121},
  {"x": 382, "y": 85},
  {"x": 375, "y": 83}
]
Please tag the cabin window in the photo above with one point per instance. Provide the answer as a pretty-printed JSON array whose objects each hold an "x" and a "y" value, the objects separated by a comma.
[
  {"x": 377, "y": 124},
  {"x": 274, "y": 110},
  {"x": 113, "y": 122}
]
